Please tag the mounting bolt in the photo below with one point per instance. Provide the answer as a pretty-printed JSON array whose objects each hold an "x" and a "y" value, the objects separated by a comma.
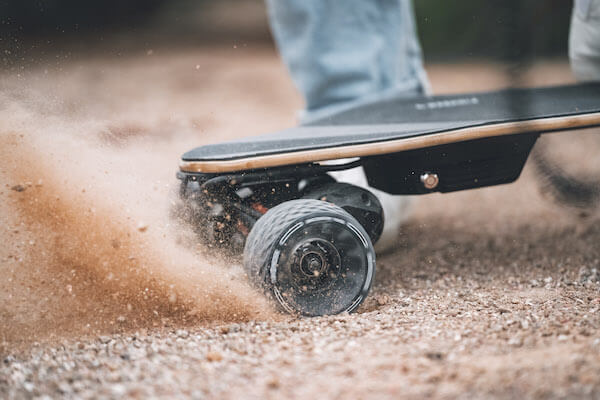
[{"x": 430, "y": 181}]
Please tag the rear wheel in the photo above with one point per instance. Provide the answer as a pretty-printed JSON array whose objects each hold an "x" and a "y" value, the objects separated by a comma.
[
  {"x": 358, "y": 202},
  {"x": 312, "y": 257},
  {"x": 569, "y": 168}
]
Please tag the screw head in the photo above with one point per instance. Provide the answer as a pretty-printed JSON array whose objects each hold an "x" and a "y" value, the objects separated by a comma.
[{"x": 430, "y": 180}]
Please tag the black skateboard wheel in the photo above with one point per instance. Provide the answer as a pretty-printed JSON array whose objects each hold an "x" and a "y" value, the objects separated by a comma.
[
  {"x": 312, "y": 257},
  {"x": 358, "y": 202}
]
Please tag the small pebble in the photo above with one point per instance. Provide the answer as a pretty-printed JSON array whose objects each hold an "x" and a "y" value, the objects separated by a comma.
[
  {"x": 214, "y": 356},
  {"x": 19, "y": 188},
  {"x": 142, "y": 227}
]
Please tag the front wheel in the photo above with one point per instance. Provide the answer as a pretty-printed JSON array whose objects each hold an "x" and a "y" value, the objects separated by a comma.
[{"x": 312, "y": 257}]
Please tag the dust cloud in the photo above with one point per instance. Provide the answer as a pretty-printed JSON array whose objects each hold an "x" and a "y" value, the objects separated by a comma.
[{"x": 88, "y": 246}]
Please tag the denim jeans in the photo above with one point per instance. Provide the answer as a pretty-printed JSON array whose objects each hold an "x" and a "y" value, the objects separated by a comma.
[
  {"x": 341, "y": 53},
  {"x": 584, "y": 40}
]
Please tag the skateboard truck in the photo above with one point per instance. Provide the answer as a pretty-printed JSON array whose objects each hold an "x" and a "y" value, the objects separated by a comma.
[{"x": 308, "y": 239}]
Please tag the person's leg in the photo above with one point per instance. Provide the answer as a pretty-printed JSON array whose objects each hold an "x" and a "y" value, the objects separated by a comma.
[
  {"x": 344, "y": 53},
  {"x": 340, "y": 53},
  {"x": 584, "y": 40}
]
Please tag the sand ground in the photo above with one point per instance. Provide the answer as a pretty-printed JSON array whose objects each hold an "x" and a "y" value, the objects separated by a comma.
[{"x": 493, "y": 293}]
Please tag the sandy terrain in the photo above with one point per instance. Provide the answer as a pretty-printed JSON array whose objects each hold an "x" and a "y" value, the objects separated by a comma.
[{"x": 492, "y": 293}]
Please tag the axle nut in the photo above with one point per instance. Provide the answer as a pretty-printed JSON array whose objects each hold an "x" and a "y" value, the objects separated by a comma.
[{"x": 430, "y": 181}]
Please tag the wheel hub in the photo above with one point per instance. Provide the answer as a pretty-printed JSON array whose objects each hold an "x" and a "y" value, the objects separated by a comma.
[{"x": 314, "y": 260}]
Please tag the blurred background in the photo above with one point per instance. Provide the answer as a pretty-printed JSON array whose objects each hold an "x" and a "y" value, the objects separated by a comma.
[
  {"x": 212, "y": 66},
  {"x": 184, "y": 54},
  {"x": 448, "y": 30}
]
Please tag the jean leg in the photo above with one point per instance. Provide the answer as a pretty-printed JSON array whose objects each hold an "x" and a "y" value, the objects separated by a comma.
[
  {"x": 343, "y": 52},
  {"x": 584, "y": 40}
]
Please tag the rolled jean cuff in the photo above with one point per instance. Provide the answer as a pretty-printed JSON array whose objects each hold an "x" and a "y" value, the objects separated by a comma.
[{"x": 410, "y": 88}]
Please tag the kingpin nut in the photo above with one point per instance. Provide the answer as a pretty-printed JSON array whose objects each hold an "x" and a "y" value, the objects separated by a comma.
[{"x": 430, "y": 180}]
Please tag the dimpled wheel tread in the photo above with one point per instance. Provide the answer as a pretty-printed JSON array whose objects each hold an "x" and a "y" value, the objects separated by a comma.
[
  {"x": 317, "y": 217},
  {"x": 270, "y": 226}
]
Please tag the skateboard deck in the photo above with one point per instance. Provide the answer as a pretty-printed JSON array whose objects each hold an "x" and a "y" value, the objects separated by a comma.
[{"x": 389, "y": 127}]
